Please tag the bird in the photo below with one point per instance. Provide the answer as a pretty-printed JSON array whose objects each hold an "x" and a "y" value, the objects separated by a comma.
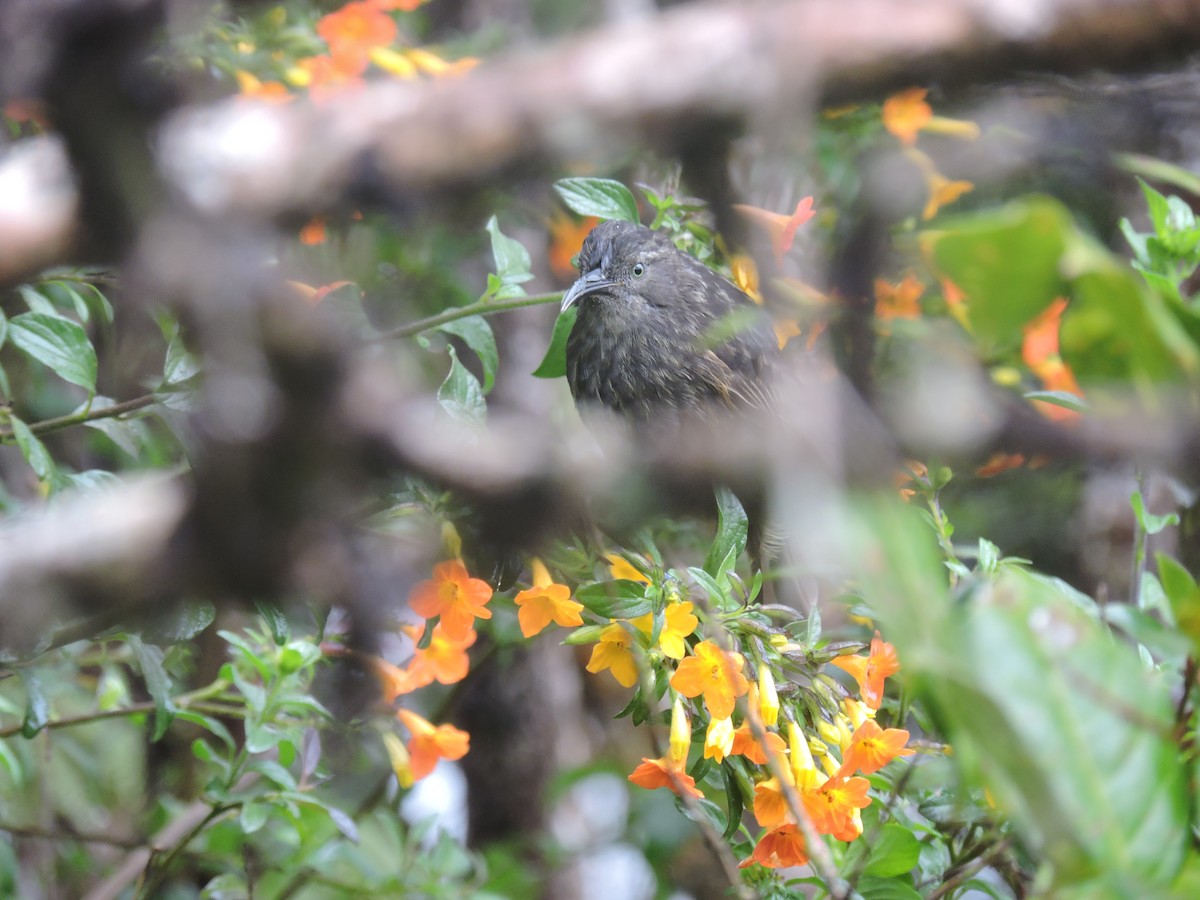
[{"x": 660, "y": 337}]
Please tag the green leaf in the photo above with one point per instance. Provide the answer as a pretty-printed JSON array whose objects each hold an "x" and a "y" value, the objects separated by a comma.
[
  {"x": 461, "y": 395},
  {"x": 37, "y": 706},
  {"x": 1150, "y": 523},
  {"x": 734, "y": 805},
  {"x": 600, "y": 197},
  {"x": 620, "y": 599},
  {"x": 58, "y": 343},
  {"x": 895, "y": 853},
  {"x": 35, "y": 452},
  {"x": 1008, "y": 262},
  {"x": 3, "y": 330},
  {"x": 477, "y": 334},
  {"x": 36, "y": 301},
  {"x": 1066, "y": 727},
  {"x": 874, "y": 888},
  {"x": 554, "y": 363},
  {"x": 512, "y": 262},
  {"x": 180, "y": 366},
  {"x": 1065, "y": 399},
  {"x": 732, "y": 526},
  {"x": 253, "y": 817},
  {"x": 181, "y": 623},
  {"x": 158, "y": 683},
  {"x": 1183, "y": 595},
  {"x": 276, "y": 621}
]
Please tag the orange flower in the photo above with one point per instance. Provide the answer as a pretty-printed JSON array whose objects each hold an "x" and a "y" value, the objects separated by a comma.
[
  {"x": 745, "y": 276},
  {"x": 405, "y": 5},
  {"x": 833, "y": 807},
  {"x": 871, "y": 748},
  {"x": 394, "y": 680},
  {"x": 313, "y": 232},
  {"x": 271, "y": 91},
  {"x": 455, "y": 596},
  {"x": 745, "y": 745},
  {"x": 354, "y": 29},
  {"x": 679, "y": 624},
  {"x": 545, "y": 602},
  {"x": 870, "y": 671},
  {"x": 781, "y": 848},
  {"x": 770, "y": 804},
  {"x": 613, "y": 653},
  {"x": 898, "y": 301},
  {"x": 428, "y": 743},
  {"x": 566, "y": 240},
  {"x": 782, "y": 228},
  {"x": 665, "y": 772},
  {"x": 1040, "y": 351},
  {"x": 943, "y": 192},
  {"x": 324, "y": 75},
  {"x": 715, "y": 674},
  {"x": 445, "y": 660},
  {"x": 1000, "y": 462},
  {"x": 906, "y": 113}
]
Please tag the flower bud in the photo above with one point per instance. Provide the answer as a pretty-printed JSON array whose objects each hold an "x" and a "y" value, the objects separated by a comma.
[
  {"x": 768, "y": 698},
  {"x": 681, "y": 733}
]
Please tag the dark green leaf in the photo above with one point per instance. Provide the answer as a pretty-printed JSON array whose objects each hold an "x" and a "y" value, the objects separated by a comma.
[
  {"x": 620, "y": 599},
  {"x": 461, "y": 395},
  {"x": 180, "y": 366},
  {"x": 600, "y": 197},
  {"x": 873, "y": 888},
  {"x": 732, "y": 525},
  {"x": 734, "y": 805},
  {"x": 58, "y": 343},
  {"x": 1065, "y": 399},
  {"x": 477, "y": 334},
  {"x": 181, "y": 624},
  {"x": 37, "y": 706},
  {"x": 158, "y": 683},
  {"x": 554, "y": 363}
]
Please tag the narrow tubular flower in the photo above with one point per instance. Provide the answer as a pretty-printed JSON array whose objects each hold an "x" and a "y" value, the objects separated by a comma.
[
  {"x": 400, "y": 759},
  {"x": 744, "y": 744},
  {"x": 871, "y": 671},
  {"x": 718, "y": 739},
  {"x": 768, "y": 697},
  {"x": 681, "y": 733},
  {"x": 429, "y": 743},
  {"x": 804, "y": 770}
]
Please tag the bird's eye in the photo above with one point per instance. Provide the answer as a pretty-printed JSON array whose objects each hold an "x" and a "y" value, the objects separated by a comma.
[{"x": 638, "y": 270}]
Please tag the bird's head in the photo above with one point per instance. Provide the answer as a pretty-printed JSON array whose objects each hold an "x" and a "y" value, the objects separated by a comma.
[{"x": 622, "y": 260}]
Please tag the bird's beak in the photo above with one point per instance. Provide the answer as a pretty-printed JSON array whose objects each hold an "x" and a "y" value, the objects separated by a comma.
[{"x": 588, "y": 283}]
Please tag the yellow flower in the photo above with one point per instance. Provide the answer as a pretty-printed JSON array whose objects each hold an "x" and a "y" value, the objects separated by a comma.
[
  {"x": 614, "y": 653},
  {"x": 715, "y": 674},
  {"x": 400, "y": 759},
  {"x": 620, "y": 567},
  {"x": 679, "y": 624},
  {"x": 768, "y": 698},
  {"x": 681, "y": 733}
]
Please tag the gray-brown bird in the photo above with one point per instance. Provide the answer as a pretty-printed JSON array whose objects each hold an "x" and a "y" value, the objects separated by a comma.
[{"x": 659, "y": 335}]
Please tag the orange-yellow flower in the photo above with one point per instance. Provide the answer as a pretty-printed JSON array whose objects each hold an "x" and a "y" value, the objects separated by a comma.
[
  {"x": 942, "y": 192},
  {"x": 906, "y": 113},
  {"x": 313, "y": 232},
  {"x": 325, "y": 74},
  {"x": 833, "y": 807},
  {"x": 665, "y": 772},
  {"x": 354, "y": 29},
  {"x": 871, "y": 748},
  {"x": 614, "y": 652},
  {"x": 405, "y": 5},
  {"x": 745, "y": 276},
  {"x": 428, "y": 743},
  {"x": 770, "y": 804},
  {"x": 1000, "y": 462},
  {"x": 715, "y": 674},
  {"x": 898, "y": 300},
  {"x": 400, "y": 759},
  {"x": 620, "y": 567},
  {"x": 745, "y": 745},
  {"x": 781, "y": 227},
  {"x": 455, "y": 596},
  {"x": 393, "y": 679},
  {"x": 781, "y": 848},
  {"x": 546, "y": 602},
  {"x": 1039, "y": 349},
  {"x": 271, "y": 91},
  {"x": 870, "y": 671},
  {"x": 679, "y": 624},
  {"x": 445, "y": 660}
]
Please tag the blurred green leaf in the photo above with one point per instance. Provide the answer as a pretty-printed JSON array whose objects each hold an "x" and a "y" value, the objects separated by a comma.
[
  {"x": 1150, "y": 523},
  {"x": 158, "y": 683},
  {"x": 874, "y": 888},
  {"x": 477, "y": 333},
  {"x": 461, "y": 395},
  {"x": 34, "y": 451},
  {"x": 37, "y": 705},
  {"x": 1072, "y": 735},
  {"x": 554, "y": 363},
  {"x": 276, "y": 621},
  {"x": 1007, "y": 261},
  {"x": 600, "y": 197},
  {"x": 512, "y": 262},
  {"x": 1183, "y": 594},
  {"x": 895, "y": 853},
  {"x": 58, "y": 343},
  {"x": 1065, "y": 399}
]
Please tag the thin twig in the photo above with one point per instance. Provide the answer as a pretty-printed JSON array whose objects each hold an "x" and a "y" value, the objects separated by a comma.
[
  {"x": 981, "y": 862},
  {"x": 60, "y": 422},
  {"x": 50, "y": 834},
  {"x": 479, "y": 308}
]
